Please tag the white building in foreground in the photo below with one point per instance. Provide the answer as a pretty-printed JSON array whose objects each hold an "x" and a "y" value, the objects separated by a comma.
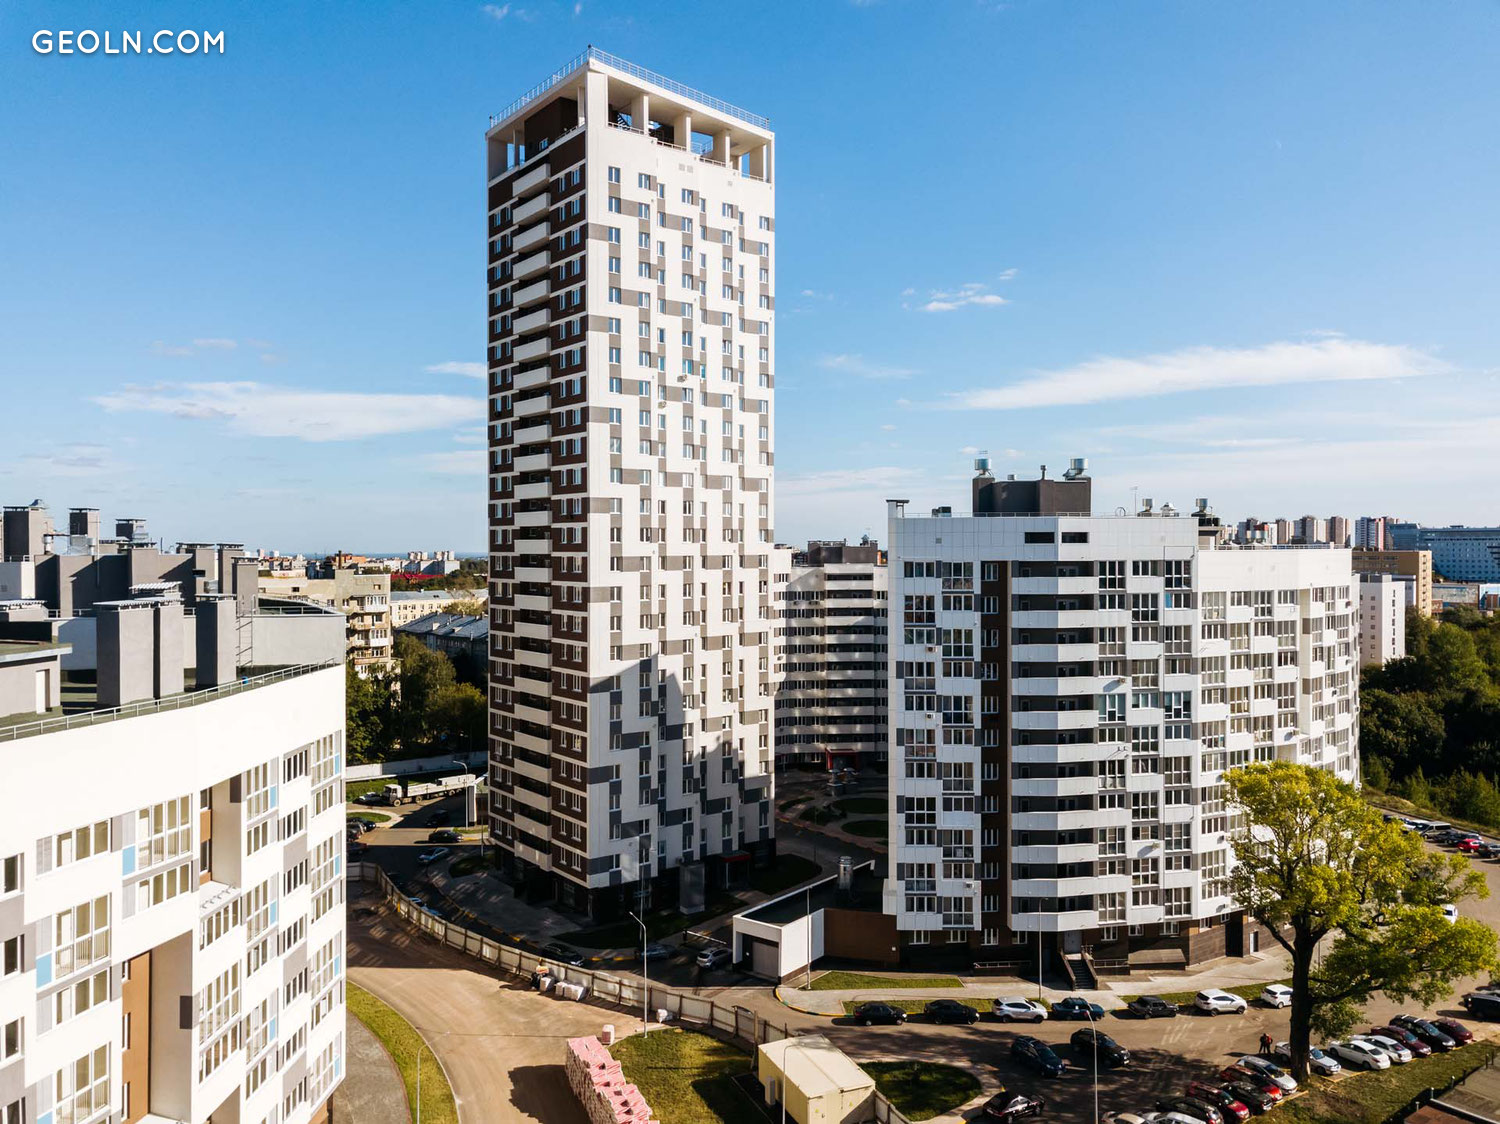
[
  {"x": 1067, "y": 693},
  {"x": 171, "y": 874}
]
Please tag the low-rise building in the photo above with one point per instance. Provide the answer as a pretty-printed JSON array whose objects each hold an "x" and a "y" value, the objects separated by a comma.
[
  {"x": 464, "y": 640},
  {"x": 410, "y": 605},
  {"x": 363, "y": 597},
  {"x": 1413, "y": 565}
]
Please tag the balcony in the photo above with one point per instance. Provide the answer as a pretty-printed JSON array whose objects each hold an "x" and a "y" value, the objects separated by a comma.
[
  {"x": 530, "y": 294},
  {"x": 529, "y": 380},
  {"x": 534, "y": 462},
  {"x": 538, "y": 491},
  {"x": 531, "y": 266},
  {"x": 1054, "y": 786},
  {"x": 525, "y": 212},
  {"x": 527, "y": 183},
  {"x": 535, "y": 349},
  {"x": 531, "y": 237},
  {"x": 532, "y": 321}
]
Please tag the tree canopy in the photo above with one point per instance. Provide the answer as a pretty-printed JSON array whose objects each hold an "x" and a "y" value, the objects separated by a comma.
[{"x": 1315, "y": 863}]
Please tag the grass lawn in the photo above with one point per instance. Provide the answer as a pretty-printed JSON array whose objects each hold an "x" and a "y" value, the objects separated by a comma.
[
  {"x": 922, "y": 1090},
  {"x": 850, "y": 981},
  {"x": 863, "y": 805},
  {"x": 1249, "y": 992},
  {"x": 627, "y": 934},
  {"x": 687, "y": 1077},
  {"x": 1373, "y": 1098},
  {"x": 376, "y": 818},
  {"x": 873, "y": 829},
  {"x": 789, "y": 871},
  {"x": 404, "y": 1044},
  {"x": 914, "y": 1006}
]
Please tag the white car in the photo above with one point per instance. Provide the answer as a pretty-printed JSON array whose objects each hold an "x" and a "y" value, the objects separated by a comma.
[
  {"x": 1276, "y": 995},
  {"x": 1399, "y": 1052},
  {"x": 1271, "y": 1071},
  {"x": 1217, "y": 1002},
  {"x": 1012, "y": 1008},
  {"x": 1170, "y": 1118},
  {"x": 1450, "y": 913},
  {"x": 1359, "y": 1055},
  {"x": 1325, "y": 1065}
]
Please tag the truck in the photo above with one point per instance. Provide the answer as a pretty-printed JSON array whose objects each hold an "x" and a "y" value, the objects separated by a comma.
[{"x": 394, "y": 794}]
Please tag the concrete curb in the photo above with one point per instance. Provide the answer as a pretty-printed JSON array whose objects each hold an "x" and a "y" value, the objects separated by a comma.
[{"x": 803, "y": 1010}]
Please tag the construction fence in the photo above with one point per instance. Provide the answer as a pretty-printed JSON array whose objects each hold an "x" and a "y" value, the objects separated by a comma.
[{"x": 601, "y": 987}]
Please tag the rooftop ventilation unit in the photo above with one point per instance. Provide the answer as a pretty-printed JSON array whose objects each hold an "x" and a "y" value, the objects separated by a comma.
[{"x": 1076, "y": 468}]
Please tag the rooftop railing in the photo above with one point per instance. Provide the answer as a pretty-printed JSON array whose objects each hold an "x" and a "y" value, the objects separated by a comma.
[
  {"x": 630, "y": 68},
  {"x": 157, "y": 706}
]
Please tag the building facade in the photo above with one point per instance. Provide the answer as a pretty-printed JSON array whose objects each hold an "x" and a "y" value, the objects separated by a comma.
[
  {"x": 1067, "y": 692},
  {"x": 1369, "y": 533},
  {"x": 1459, "y": 554},
  {"x": 631, "y": 358},
  {"x": 410, "y": 605},
  {"x": 171, "y": 888},
  {"x": 364, "y": 597},
  {"x": 1412, "y": 566},
  {"x": 1382, "y": 618},
  {"x": 831, "y": 681}
]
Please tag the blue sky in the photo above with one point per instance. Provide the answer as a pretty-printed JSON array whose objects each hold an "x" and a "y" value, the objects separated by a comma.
[{"x": 1244, "y": 251}]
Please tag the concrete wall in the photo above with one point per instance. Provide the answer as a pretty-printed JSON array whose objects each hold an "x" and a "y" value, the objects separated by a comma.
[
  {"x": 852, "y": 934},
  {"x": 278, "y": 640},
  {"x": 376, "y": 769}
]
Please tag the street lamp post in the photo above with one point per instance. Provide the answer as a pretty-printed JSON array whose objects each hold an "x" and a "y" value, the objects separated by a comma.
[
  {"x": 1094, "y": 1029},
  {"x": 645, "y": 981}
]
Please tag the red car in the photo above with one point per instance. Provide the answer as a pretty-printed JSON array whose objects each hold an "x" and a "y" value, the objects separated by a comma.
[
  {"x": 1250, "y": 1077},
  {"x": 1223, "y": 1100},
  {"x": 1418, "y": 1048},
  {"x": 1469, "y": 846},
  {"x": 1455, "y": 1030}
]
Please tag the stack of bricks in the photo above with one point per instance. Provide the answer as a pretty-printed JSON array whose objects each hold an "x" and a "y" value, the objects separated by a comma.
[{"x": 601, "y": 1087}]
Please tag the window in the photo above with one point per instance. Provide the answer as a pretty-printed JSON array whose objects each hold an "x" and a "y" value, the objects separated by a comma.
[
  {"x": 86, "y": 993},
  {"x": 80, "y": 843},
  {"x": 80, "y": 937},
  {"x": 11, "y": 1039},
  {"x": 12, "y": 955},
  {"x": 614, "y": 174},
  {"x": 81, "y": 1090}
]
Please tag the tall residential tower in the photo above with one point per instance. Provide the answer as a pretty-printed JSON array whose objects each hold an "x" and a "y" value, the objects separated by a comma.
[{"x": 631, "y": 307}]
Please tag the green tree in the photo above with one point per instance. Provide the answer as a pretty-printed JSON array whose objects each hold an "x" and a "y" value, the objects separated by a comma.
[
  {"x": 370, "y": 713},
  {"x": 459, "y": 715},
  {"x": 1453, "y": 661},
  {"x": 423, "y": 673},
  {"x": 1313, "y": 861},
  {"x": 1404, "y": 730}
]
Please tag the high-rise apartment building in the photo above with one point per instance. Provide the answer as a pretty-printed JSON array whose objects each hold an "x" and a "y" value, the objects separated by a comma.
[
  {"x": 631, "y": 367},
  {"x": 1382, "y": 617},
  {"x": 831, "y": 683},
  {"x": 1411, "y": 566},
  {"x": 171, "y": 882},
  {"x": 1067, "y": 693},
  {"x": 1369, "y": 533}
]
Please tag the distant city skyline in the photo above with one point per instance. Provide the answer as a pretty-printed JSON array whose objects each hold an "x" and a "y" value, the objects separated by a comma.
[{"x": 1235, "y": 252}]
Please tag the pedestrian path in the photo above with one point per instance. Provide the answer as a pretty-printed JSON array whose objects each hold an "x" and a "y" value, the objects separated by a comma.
[{"x": 373, "y": 1092}]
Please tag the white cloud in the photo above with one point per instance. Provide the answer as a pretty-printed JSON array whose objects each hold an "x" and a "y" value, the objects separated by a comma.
[
  {"x": 1109, "y": 378},
  {"x": 857, "y": 365},
  {"x": 200, "y": 345},
  {"x": 972, "y": 295},
  {"x": 215, "y": 344},
  {"x": 1007, "y": 274},
  {"x": 888, "y": 428},
  {"x": 259, "y": 410},
  {"x": 970, "y": 450},
  {"x": 457, "y": 367},
  {"x": 496, "y": 11},
  {"x": 456, "y": 462},
  {"x": 71, "y": 461}
]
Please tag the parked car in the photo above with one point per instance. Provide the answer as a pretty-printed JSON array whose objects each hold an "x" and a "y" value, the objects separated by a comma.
[
  {"x": 1418, "y": 1048},
  {"x": 441, "y": 816},
  {"x": 1112, "y": 1055},
  {"x": 563, "y": 954},
  {"x": 1218, "y": 1002},
  {"x": 1256, "y": 1099},
  {"x": 442, "y": 835},
  {"x": 1359, "y": 1055},
  {"x": 1223, "y": 1100},
  {"x": 1487, "y": 850},
  {"x": 1192, "y": 1108},
  {"x": 369, "y": 798},
  {"x": 1450, "y": 913},
  {"x": 357, "y": 849},
  {"x": 1220, "y": 1098},
  {"x": 1012, "y": 1106},
  {"x": 1323, "y": 1064},
  {"x": 1169, "y": 1118},
  {"x": 1398, "y": 1053},
  {"x": 717, "y": 957},
  {"x": 1426, "y": 1031},
  {"x": 433, "y": 855},
  {"x": 1482, "y": 1005},
  {"x": 655, "y": 951},
  {"x": 1076, "y": 1007},
  {"x": 1152, "y": 1007},
  {"x": 883, "y": 1014},
  {"x": 1242, "y": 1075},
  {"x": 1454, "y": 1030},
  {"x": 1276, "y": 995},
  {"x": 1014, "y": 1009},
  {"x": 1037, "y": 1055},
  {"x": 1470, "y": 845},
  {"x": 1266, "y": 1068},
  {"x": 362, "y": 826},
  {"x": 950, "y": 1011}
]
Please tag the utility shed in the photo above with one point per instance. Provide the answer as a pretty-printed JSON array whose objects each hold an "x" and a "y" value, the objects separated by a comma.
[{"x": 822, "y": 1085}]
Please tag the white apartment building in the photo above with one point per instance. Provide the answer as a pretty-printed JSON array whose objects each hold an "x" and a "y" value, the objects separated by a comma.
[
  {"x": 171, "y": 880},
  {"x": 1382, "y": 617},
  {"x": 831, "y": 661},
  {"x": 1067, "y": 692},
  {"x": 631, "y": 359}
]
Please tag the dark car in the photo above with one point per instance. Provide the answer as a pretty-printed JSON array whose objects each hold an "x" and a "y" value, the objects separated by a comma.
[
  {"x": 1244, "y": 1075},
  {"x": 1256, "y": 1099},
  {"x": 1087, "y": 1040},
  {"x": 1012, "y": 1106},
  {"x": 1222, "y": 1099},
  {"x": 1418, "y": 1048},
  {"x": 950, "y": 1011},
  {"x": 1425, "y": 1031},
  {"x": 1487, "y": 850},
  {"x": 442, "y": 835},
  {"x": 1152, "y": 1007},
  {"x": 1192, "y": 1106},
  {"x": 1482, "y": 1005},
  {"x": 1038, "y": 1056},
  {"x": 1076, "y": 1007},
  {"x": 356, "y": 848},
  {"x": 440, "y": 817},
  {"x": 1454, "y": 1030},
  {"x": 871, "y": 1014},
  {"x": 563, "y": 954}
]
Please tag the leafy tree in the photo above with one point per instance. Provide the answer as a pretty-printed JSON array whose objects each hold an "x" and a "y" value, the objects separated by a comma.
[
  {"x": 1313, "y": 860},
  {"x": 424, "y": 672},
  {"x": 1403, "y": 729},
  {"x": 370, "y": 715},
  {"x": 461, "y": 713},
  {"x": 468, "y": 607},
  {"x": 1454, "y": 661}
]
